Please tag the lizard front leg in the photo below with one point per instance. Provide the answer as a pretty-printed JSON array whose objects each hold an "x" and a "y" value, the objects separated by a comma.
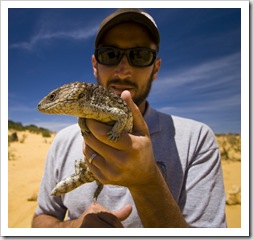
[
  {"x": 82, "y": 124},
  {"x": 100, "y": 187}
]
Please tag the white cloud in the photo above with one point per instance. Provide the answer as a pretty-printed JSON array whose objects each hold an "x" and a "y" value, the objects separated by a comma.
[
  {"x": 47, "y": 35},
  {"x": 209, "y": 92},
  {"x": 203, "y": 76},
  {"x": 211, "y": 82},
  {"x": 210, "y": 106}
]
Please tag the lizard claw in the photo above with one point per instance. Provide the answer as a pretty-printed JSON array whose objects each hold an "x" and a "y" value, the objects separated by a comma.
[
  {"x": 85, "y": 132},
  {"x": 113, "y": 137}
]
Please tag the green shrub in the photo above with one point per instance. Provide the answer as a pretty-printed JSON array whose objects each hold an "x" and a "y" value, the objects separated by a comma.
[{"x": 31, "y": 128}]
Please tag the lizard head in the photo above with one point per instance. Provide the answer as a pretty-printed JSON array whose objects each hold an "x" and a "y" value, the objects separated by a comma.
[{"x": 62, "y": 100}]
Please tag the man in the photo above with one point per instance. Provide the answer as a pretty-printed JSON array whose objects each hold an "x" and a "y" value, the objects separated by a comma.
[{"x": 166, "y": 173}]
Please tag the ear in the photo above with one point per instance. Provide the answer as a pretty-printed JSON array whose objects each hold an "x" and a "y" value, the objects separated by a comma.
[
  {"x": 156, "y": 69},
  {"x": 94, "y": 66}
]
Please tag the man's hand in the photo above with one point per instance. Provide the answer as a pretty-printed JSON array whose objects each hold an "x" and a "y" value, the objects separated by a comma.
[
  {"x": 128, "y": 162},
  {"x": 97, "y": 216}
]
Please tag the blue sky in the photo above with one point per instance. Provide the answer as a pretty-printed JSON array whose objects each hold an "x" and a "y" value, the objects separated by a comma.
[{"x": 200, "y": 76}]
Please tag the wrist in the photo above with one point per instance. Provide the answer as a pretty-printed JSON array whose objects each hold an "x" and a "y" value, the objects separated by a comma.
[
  {"x": 150, "y": 183},
  {"x": 69, "y": 224}
]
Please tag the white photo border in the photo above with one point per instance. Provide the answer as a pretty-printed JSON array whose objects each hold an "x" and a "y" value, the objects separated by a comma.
[{"x": 243, "y": 231}]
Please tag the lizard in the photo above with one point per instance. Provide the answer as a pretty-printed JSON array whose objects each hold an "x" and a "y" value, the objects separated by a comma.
[{"x": 87, "y": 100}]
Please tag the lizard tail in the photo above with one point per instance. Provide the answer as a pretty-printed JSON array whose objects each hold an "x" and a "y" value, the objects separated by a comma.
[{"x": 68, "y": 184}]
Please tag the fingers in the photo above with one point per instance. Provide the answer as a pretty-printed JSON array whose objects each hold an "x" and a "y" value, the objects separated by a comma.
[
  {"x": 114, "y": 219},
  {"x": 114, "y": 159},
  {"x": 100, "y": 130},
  {"x": 105, "y": 165},
  {"x": 101, "y": 220},
  {"x": 96, "y": 163},
  {"x": 97, "y": 216},
  {"x": 124, "y": 212},
  {"x": 99, "y": 166},
  {"x": 101, "y": 151},
  {"x": 139, "y": 123}
]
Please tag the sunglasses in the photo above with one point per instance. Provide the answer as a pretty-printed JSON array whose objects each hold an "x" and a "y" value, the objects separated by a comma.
[{"x": 137, "y": 57}]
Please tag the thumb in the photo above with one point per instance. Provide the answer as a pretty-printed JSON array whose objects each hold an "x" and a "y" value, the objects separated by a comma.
[
  {"x": 139, "y": 124},
  {"x": 124, "y": 212}
]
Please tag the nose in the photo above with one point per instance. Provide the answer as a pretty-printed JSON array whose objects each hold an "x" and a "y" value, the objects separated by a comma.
[{"x": 123, "y": 69}]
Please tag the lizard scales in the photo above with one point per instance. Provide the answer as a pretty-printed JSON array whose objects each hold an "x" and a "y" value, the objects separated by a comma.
[{"x": 87, "y": 100}]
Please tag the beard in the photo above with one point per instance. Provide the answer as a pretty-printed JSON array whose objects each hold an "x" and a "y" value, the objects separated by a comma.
[{"x": 139, "y": 97}]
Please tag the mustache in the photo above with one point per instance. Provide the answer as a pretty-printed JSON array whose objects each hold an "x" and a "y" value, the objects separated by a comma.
[{"x": 122, "y": 82}]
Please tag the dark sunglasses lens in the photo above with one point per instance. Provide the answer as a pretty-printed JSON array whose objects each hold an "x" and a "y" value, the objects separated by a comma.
[
  {"x": 142, "y": 57},
  {"x": 136, "y": 57},
  {"x": 108, "y": 56}
]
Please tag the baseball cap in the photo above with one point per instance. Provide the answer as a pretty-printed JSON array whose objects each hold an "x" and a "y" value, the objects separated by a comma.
[{"x": 128, "y": 15}]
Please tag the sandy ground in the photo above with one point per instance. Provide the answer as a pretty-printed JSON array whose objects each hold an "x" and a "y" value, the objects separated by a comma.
[
  {"x": 232, "y": 180},
  {"x": 25, "y": 169}
]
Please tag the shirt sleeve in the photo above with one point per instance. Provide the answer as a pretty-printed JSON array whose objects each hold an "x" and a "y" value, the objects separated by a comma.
[
  {"x": 48, "y": 204},
  {"x": 203, "y": 196}
]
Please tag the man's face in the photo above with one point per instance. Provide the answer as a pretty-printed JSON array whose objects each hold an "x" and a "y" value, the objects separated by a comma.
[{"x": 123, "y": 76}]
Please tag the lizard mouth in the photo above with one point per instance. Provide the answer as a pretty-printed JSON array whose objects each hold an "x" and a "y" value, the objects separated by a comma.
[
  {"x": 45, "y": 107},
  {"x": 40, "y": 107}
]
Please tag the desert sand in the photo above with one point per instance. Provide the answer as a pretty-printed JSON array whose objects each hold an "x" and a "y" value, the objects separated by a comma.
[{"x": 26, "y": 166}]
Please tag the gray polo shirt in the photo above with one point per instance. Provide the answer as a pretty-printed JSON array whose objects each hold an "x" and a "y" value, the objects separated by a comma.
[{"x": 186, "y": 152}]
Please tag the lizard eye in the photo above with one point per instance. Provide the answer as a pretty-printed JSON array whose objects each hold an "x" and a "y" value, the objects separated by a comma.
[{"x": 52, "y": 96}]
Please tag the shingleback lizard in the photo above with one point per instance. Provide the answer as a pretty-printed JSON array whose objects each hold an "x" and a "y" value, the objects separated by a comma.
[{"x": 86, "y": 100}]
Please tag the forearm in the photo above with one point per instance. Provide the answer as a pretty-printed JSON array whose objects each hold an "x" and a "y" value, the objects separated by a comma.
[
  {"x": 95, "y": 216},
  {"x": 156, "y": 205},
  {"x": 47, "y": 221}
]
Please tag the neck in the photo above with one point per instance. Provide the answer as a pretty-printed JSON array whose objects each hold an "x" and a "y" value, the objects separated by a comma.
[{"x": 142, "y": 107}]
